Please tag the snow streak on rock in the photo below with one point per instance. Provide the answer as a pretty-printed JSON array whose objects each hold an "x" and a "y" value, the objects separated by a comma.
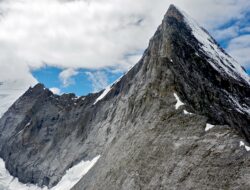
[
  {"x": 179, "y": 102},
  {"x": 238, "y": 106},
  {"x": 74, "y": 174},
  {"x": 105, "y": 92},
  {"x": 208, "y": 127},
  {"x": 219, "y": 60},
  {"x": 187, "y": 113},
  {"x": 243, "y": 144}
]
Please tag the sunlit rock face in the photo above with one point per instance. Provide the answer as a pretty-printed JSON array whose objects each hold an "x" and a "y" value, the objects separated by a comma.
[{"x": 174, "y": 121}]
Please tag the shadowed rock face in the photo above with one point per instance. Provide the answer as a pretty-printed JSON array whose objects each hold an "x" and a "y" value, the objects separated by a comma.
[{"x": 144, "y": 142}]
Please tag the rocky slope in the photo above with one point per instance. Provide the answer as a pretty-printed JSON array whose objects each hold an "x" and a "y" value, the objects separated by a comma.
[{"x": 144, "y": 140}]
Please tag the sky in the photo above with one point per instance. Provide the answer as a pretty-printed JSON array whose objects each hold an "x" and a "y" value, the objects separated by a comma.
[{"x": 81, "y": 46}]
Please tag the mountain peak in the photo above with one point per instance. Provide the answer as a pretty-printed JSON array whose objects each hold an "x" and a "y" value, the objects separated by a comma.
[
  {"x": 173, "y": 11},
  {"x": 39, "y": 86},
  {"x": 193, "y": 55},
  {"x": 207, "y": 46},
  {"x": 182, "y": 71}
]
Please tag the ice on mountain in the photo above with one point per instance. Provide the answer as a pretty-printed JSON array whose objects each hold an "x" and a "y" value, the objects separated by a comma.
[
  {"x": 108, "y": 88},
  {"x": 72, "y": 176},
  {"x": 238, "y": 106},
  {"x": 28, "y": 124},
  {"x": 187, "y": 113},
  {"x": 179, "y": 102},
  {"x": 243, "y": 144},
  {"x": 220, "y": 61},
  {"x": 105, "y": 92},
  {"x": 208, "y": 127}
]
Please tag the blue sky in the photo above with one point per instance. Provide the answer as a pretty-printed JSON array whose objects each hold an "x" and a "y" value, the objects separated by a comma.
[
  {"x": 82, "y": 46},
  {"x": 237, "y": 26},
  {"x": 82, "y": 84}
]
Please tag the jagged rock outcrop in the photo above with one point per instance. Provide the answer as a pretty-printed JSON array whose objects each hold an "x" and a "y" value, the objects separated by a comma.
[{"x": 143, "y": 140}]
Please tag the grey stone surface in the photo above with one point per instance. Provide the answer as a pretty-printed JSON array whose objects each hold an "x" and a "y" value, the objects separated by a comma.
[{"x": 144, "y": 142}]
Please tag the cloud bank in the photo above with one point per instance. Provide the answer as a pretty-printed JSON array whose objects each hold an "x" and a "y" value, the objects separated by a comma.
[
  {"x": 66, "y": 76},
  {"x": 93, "y": 34},
  {"x": 240, "y": 47},
  {"x": 99, "y": 80},
  {"x": 97, "y": 34}
]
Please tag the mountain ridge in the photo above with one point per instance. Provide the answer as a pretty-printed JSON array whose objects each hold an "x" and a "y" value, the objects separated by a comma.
[{"x": 136, "y": 123}]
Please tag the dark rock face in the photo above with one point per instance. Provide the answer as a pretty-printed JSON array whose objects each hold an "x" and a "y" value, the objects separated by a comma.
[
  {"x": 35, "y": 130},
  {"x": 205, "y": 89},
  {"x": 144, "y": 142}
]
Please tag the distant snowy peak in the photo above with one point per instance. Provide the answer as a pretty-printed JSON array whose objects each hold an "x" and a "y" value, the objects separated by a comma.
[{"x": 217, "y": 57}]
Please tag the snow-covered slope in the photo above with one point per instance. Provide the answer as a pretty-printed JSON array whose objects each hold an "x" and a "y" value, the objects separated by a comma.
[
  {"x": 108, "y": 88},
  {"x": 217, "y": 57},
  {"x": 72, "y": 176}
]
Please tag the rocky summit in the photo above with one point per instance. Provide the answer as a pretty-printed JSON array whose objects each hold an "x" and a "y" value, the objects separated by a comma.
[{"x": 179, "y": 119}]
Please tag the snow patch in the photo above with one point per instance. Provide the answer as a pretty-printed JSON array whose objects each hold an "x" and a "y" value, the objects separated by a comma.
[
  {"x": 243, "y": 144},
  {"x": 187, "y": 113},
  {"x": 106, "y": 91},
  {"x": 72, "y": 176},
  {"x": 179, "y": 102},
  {"x": 27, "y": 125},
  {"x": 75, "y": 98},
  {"x": 208, "y": 127},
  {"x": 239, "y": 107},
  {"x": 220, "y": 61}
]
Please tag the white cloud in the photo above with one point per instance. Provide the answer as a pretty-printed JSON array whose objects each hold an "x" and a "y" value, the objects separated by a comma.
[
  {"x": 94, "y": 34},
  {"x": 213, "y": 13},
  {"x": 66, "y": 77},
  {"x": 91, "y": 34},
  {"x": 227, "y": 33},
  {"x": 55, "y": 90},
  {"x": 245, "y": 29},
  {"x": 99, "y": 80},
  {"x": 239, "y": 48},
  {"x": 10, "y": 90}
]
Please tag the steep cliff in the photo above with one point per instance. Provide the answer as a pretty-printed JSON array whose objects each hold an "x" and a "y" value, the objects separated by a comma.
[{"x": 145, "y": 139}]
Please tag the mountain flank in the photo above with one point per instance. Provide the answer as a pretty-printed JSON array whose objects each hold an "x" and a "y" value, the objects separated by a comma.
[{"x": 176, "y": 120}]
